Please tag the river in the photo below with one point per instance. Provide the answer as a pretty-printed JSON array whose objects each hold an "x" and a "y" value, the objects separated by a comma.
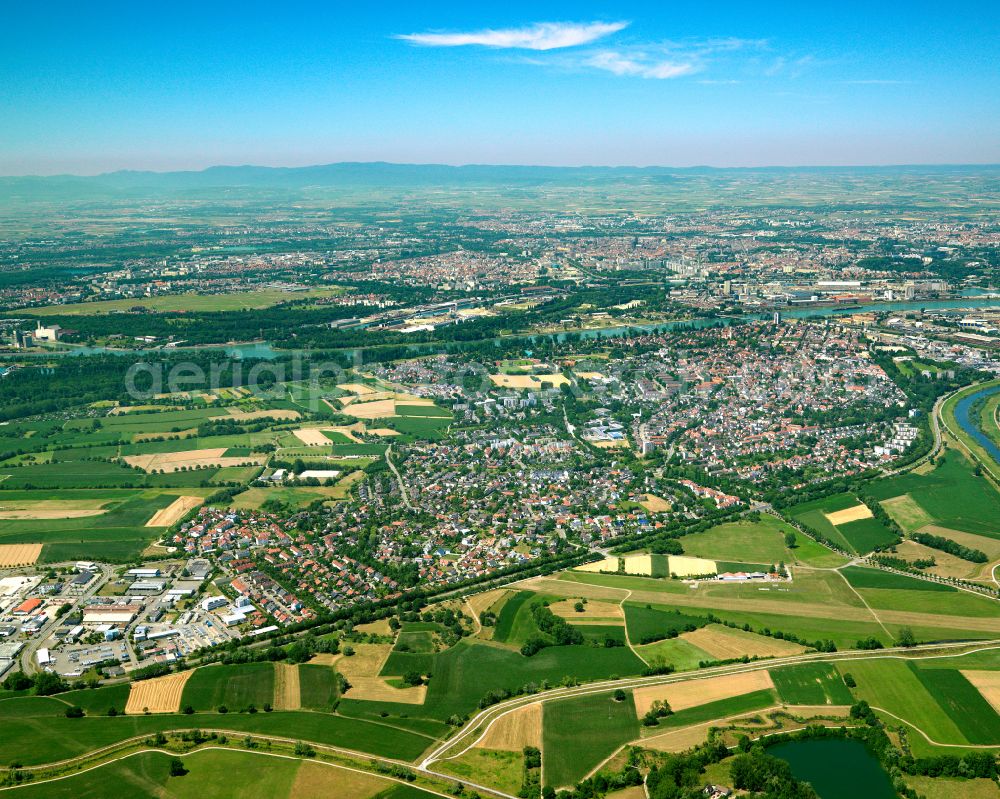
[
  {"x": 266, "y": 351},
  {"x": 964, "y": 418}
]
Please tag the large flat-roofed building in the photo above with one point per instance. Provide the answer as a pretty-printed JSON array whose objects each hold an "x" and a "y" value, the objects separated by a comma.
[
  {"x": 110, "y": 614},
  {"x": 50, "y": 333}
]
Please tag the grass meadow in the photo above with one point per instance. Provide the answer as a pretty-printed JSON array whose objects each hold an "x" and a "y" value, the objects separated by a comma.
[{"x": 579, "y": 733}]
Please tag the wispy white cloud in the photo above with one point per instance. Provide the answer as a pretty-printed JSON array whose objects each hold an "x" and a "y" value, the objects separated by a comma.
[
  {"x": 619, "y": 64},
  {"x": 664, "y": 60},
  {"x": 540, "y": 36},
  {"x": 876, "y": 82}
]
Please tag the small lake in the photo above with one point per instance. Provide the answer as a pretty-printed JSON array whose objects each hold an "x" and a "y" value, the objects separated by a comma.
[
  {"x": 970, "y": 425},
  {"x": 837, "y": 768}
]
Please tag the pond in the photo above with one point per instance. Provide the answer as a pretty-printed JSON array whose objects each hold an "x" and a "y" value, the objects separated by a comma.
[{"x": 837, "y": 768}]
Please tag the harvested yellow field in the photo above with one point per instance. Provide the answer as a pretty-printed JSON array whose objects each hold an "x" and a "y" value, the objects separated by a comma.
[
  {"x": 174, "y": 512},
  {"x": 686, "y": 566},
  {"x": 979, "y": 571},
  {"x": 361, "y": 670},
  {"x": 484, "y": 601},
  {"x": 324, "y": 659},
  {"x": 311, "y": 437},
  {"x": 515, "y": 730},
  {"x": 679, "y": 740},
  {"x": 953, "y": 787},
  {"x": 610, "y": 443},
  {"x": 724, "y": 643},
  {"x": 595, "y": 611},
  {"x": 590, "y": 375},
  {"x": 655, "y": 504},
  {"x": 987, "y": 683},
  {"x": 287, "y": 694},
  {"x": 383, "y": 432},
  {"x": 533, "y": 382},
  {"x": 380, "y": 627},
  {"x": 857, "y": 513},
  {"x": 639, "y": 564},
  {"x": 174, "y": 461},
  {"x": 18, "y": 554},
  {"x": 356, "y": 388},
  {"x": 944, "y": 564},
  {"x": 327, "y": 780},
  {"x": 700, "y": 692},
  {"x": 606, "y": 565},
  {"x": 41, "y": 513},
  {"x": 158, "y": 695},
  {"x": 379, "y": 409}
]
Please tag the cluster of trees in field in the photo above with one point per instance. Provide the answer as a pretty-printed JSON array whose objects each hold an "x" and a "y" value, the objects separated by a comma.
[
  {"x": 558, "y": 630},
  {"x": 951, "y": 547}
]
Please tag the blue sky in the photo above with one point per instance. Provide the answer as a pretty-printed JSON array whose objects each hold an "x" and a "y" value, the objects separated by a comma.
[{"x": 91, "y": 87}]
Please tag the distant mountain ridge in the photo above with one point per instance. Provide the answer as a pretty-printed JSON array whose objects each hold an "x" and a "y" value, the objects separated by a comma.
[{"x": 381, "y": 174}]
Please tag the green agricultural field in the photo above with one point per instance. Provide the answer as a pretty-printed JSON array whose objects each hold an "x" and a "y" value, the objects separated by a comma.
[
  {"x": 178, "y": 303},
  {"x": 505, "y": 621},
  {"x": 74, "y": 474},
  {"x": 99, "y": 700},
  {"x": 758, "y": 542},
  {"x": 415, "y": 641},
  {"x": 962, "y": 702},
  {"x": 952, "y": 496},
  {"x": 602, "y": 632},
  {"x": 34, "y": 741},
  {"x": 492, "y": 767},
  {"x": 812, "y": 515},
  {"x": 723, "y": 708},
  {"x": 578, "y": 734},
  {"x": 647, "y": 624},
  {"x": 465, "y": 673},
  {"x": 676, "y": 652},
  {"x": 221, "y": 774},
  {"x": 211, "y": 775},
  {"x": 890, "y": 684},
  {"x": 862, "y": 577},
  {"x": 115, "y": 535},
  {"x": 958, "y": 603},
  {"x": 235, "y": 474},
  {"x": 422, "y": 411},
  {"x": 416, "y": 427},
  {"x": 866, "y": 535},
  {"x": 236, "y": 687},
  {"x": 817, "y": 606},
  {"x": 811, "y": 684},
  {"x": 318, "y": 686}
]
